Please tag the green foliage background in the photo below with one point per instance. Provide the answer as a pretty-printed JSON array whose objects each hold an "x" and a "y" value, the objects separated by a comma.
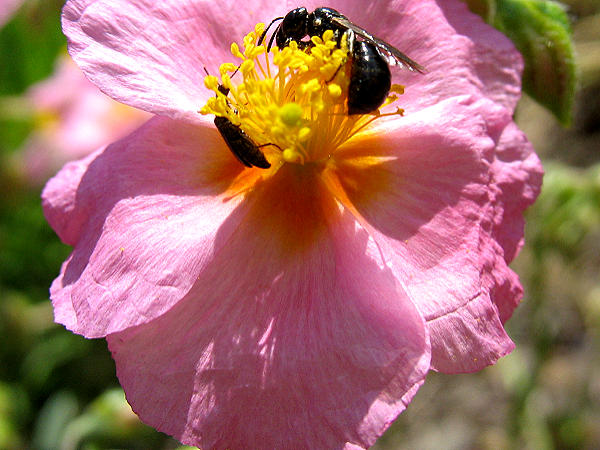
[{"x": 58, "y": 390}]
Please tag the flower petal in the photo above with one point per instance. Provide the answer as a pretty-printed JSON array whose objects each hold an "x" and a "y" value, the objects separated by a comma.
[
  {"x": 518, "y": 177},
  {"x": 78, "y": 120},
  {"x": 294, "y": 325},
  {"x": 153, "y": 58},
  {"x": 517, "y": 180},
  {"x": 462, "y": 54},
  {"x": 427, "y": 204},
  {"x": 141, "y": 216},
  {"x": 468, "y": 338},
  {"x": 491, "y": 56}
]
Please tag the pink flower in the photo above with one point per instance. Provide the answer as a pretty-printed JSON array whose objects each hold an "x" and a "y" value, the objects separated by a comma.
[
  {"x": 8, "y": 9},
  {"x": 73, "y": 119},
  {"x": 299, "y": 306}
]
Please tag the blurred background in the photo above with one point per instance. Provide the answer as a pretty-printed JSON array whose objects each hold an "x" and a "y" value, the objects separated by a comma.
[{"x": 59, "y": 390}]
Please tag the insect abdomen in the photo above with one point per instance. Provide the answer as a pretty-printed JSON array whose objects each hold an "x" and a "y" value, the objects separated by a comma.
[{"x": 370, "y": 79}]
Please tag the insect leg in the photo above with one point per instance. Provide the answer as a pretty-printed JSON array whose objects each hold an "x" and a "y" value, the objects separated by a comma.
[
  {"x": 273, "y": 37},
  {"x": 266, "y": 145}
]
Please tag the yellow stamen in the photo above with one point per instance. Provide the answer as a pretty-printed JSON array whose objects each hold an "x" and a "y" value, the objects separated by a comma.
[{"x": 293, "y": 98}]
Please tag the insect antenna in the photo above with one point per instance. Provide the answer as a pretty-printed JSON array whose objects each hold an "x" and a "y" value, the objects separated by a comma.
[
  {"x": 262, "y": 36},
  {"x": 222, "y": 89}
]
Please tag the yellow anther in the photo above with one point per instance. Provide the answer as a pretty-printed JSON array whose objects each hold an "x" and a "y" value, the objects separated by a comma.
[
  {"x": 304, "y": 134},
  {"x": 252, "y": 52},
  {"x": 397, "y": 89},
  {"x": 227, "y": 67},
  {"x": 291, "y": 156},
  {"x": 235, "y": 51},
  {"x": 247, "y": 67},
  {"x": 259, "y": 28},
  {"x": 211, "y": 82},
  {"x": 335, "y": 90},
  {"x": 310, "y": 87}
]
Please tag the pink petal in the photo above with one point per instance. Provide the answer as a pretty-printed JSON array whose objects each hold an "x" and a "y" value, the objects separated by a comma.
[
  {"x": 468, "y": 338},
  {"x": 489, "y": 55},
  {"x": 142, "y": 217},
  {"x": 516, "y": 183},
  {"x": 83, "y": 119},
  {"x": 502, "y": 283},
  {"x": 8, "y": 9},
  {"x": 64, "y": 214},
  {"x": 462, "y": 54},
  {"x": 153, "y": 57},
  {"x": 294, "y": 336},
  {"x": 428, "y": 206},
  {"x": 518, "y": 176}
]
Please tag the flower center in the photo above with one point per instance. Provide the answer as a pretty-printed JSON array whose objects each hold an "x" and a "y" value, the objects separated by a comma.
[{"x": 291, "y": 102}]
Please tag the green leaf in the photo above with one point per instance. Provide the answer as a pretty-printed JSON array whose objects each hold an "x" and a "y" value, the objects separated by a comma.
[
  {"x": 29, "y": 43},
  {"x": 541, "y": 31}
]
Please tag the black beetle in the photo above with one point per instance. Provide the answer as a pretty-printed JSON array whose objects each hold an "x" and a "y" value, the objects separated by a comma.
[{"x": 241, "y": 145}]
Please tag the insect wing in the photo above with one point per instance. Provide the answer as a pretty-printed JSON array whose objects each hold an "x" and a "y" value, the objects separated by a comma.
[{"x": 397, "y": 57}]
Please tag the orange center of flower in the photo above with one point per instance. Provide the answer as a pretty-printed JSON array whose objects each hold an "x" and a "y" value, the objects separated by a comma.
[{"x": 292, "y": 103}]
